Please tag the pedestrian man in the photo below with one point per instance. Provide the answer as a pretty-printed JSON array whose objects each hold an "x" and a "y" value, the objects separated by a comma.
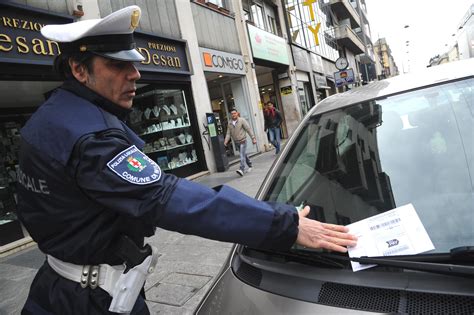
[
  {"x": 238, "y": 129},
  {"x": 96, "y": 195},
  {"x": 273, "y": 121}
]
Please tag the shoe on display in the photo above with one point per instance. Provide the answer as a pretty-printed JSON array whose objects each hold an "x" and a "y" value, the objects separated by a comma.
[{"x": 240, "y": 172}]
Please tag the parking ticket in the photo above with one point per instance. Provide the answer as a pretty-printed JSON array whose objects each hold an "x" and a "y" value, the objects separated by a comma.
[{"x": 395, "y": 232}]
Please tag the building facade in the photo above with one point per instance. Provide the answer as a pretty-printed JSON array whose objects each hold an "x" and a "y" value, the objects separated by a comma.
[
  {"x": 202, "y": 58},
  {"x": 388, "y": 67}
]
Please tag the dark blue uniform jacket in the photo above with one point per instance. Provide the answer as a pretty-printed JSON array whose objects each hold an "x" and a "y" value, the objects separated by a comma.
[{"x": 75, "y": 205}]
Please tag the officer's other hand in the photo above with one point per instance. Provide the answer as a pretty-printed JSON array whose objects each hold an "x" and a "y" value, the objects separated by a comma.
[{"x": 315, "y": 234}]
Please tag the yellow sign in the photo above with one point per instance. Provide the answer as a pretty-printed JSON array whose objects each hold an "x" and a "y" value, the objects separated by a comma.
[
  {"x": 286, "y": 90},
  {"x": 314, "y": 30}
]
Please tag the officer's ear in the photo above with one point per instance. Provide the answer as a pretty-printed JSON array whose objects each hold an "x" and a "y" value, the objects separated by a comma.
[{"x": 79, "y": 71}]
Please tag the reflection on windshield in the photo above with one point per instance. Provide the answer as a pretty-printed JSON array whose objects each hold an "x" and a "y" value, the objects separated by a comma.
[{"x": 368, "y": 158}]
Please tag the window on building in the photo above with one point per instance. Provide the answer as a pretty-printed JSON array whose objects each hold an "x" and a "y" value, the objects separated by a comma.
[
  {"x": 219, "y": 3},
  {"x": 272, "y": 25},
  {"x": 300, "y": 21},
  {"x": 257, "y": 15}
]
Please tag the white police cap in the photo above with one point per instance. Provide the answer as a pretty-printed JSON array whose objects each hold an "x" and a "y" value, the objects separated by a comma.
[{"x": 111, "y": 36}]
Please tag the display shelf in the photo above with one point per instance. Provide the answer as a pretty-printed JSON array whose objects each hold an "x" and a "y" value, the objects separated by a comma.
[
  {"x": 154, "y": 120},
  {"x": 178, "y": 127},
  {"x": 168, "y": 169},
  {"x": 146, "y": 121},
  {"x": 167, "y": 148}
]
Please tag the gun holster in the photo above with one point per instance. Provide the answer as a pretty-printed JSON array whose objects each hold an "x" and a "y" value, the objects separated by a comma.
[{"x": 131, "y": 281}]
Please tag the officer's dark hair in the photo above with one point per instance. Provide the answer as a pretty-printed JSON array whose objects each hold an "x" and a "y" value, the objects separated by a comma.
[
  {"x": 232, "y": 110},
  {"x": 61, "y": 63}
]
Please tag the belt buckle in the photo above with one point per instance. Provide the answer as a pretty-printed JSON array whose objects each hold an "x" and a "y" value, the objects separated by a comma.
[
  {"x": 94, "y": 277},
  {"x": 85, "y": 276},
  {"x": 90, "y": 276}
]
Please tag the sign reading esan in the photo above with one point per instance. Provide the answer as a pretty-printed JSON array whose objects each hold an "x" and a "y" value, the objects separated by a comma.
[
  {"x": 20, "y": 37},
  {"x": 162, "y": 54},
  {"x": 21, "y": 42},
  {"x": 223, "y": 62}
]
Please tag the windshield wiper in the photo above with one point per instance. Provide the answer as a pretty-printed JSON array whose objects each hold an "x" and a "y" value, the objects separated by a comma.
[
  {"x": 429, "y": 262},
  {"x": 441, "y": 263},
  {"x": 312, "y": 258}
]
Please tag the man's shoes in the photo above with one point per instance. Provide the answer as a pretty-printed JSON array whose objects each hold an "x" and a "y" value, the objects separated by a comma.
[
  {"x": 249, "y": 170},
  {"x": 240, "y": 172}
]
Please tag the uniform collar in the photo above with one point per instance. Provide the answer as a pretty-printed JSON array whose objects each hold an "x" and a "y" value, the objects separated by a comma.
[{"x": 83, "y": 91}]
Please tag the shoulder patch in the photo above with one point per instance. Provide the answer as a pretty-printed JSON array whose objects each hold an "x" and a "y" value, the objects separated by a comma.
[{"x": 135, "y": 167}]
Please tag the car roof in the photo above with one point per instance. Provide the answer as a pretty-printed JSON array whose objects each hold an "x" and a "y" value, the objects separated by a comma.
[{"x": 430, "y": 76}]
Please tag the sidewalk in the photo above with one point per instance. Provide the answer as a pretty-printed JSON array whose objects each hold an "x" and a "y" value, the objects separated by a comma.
[{"x": 186, "y": 268}]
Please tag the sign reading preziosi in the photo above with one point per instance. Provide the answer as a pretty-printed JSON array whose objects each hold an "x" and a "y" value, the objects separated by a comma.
[
  {"x": 20, "y": 37},
  {"x": 162, "y": 54},
  {"x": 22, "y": 42},
  {"x": 220, "y": 61},
  {"x": 267, "y": 46}
]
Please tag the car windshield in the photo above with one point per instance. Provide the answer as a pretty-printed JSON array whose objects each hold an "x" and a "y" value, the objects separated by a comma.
[{"x": 368, "y": 158}]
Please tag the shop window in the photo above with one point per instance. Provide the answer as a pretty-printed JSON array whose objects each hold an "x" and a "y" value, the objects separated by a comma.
[
  {"x": 10, "y": 228},
  {"x": 161, "y": 117},
  {"x": 20, "y": 99}
]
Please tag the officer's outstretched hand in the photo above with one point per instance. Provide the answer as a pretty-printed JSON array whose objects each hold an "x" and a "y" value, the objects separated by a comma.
[{"x": 316, "y": 234}]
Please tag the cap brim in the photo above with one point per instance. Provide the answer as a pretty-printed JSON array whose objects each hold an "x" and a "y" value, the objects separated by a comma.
[{"x": 123, "y": 55}]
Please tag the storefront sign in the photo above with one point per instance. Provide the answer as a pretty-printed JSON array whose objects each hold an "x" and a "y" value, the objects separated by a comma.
[
  {"x": 267, "y": 46},
  {"x": 222, "y": 62},
  {"x": 286, "y": 90},
  {"x": 20, "y": 37},
  {"x": 22, "y": 42},
  {"x": 344, "y": 77},
  {"x": 162, "y": 54}
]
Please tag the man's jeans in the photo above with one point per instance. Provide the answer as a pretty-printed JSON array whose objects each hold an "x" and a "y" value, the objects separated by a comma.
[
  {"x": 243, "y": 156},
  {"x": 274, "y": 134}
]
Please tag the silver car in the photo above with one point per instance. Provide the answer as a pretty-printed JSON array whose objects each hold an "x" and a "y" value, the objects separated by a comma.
[{"x": 409, "y": 139}]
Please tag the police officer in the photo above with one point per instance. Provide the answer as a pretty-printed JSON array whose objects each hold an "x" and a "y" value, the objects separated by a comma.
[{"x": 85, "y": 183}]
